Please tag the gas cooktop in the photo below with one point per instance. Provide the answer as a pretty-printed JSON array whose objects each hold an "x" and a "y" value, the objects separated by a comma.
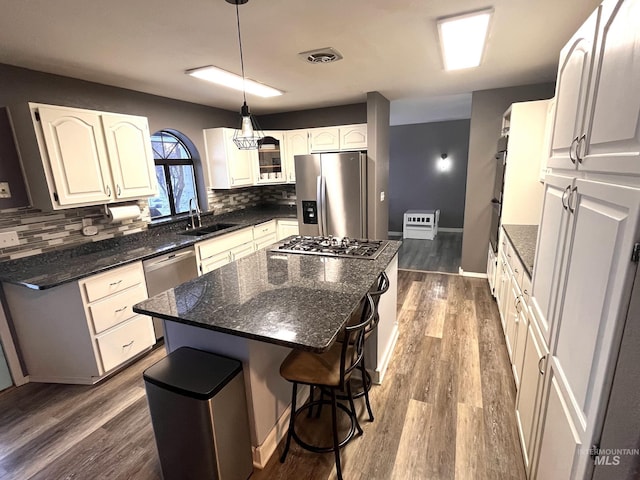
[{"x": 332, "y": 247}]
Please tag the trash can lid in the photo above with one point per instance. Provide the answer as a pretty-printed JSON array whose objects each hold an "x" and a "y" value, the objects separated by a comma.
[{"x": 193, "y": 373}]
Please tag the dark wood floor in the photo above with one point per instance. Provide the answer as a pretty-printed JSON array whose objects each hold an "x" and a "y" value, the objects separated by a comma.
[
  {"x": 444, "y": 411},
  {"x": 442, "y": 254}
]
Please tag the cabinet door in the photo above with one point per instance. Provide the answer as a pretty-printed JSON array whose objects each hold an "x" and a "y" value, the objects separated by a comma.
[
  {"x": 242, "y": 251},
  {"x": 612, "y": 143},
  {"x": 521, "y": 326},
  {"x": 353, "y": 137},
  {"x": 560, "y": 440},
  {"x": 502, "y": 289},
  {"x": 240, "y": 163},
  {"x": 548, "y": 134},
  {"x": 324, "y": 139},
  {"x": 77, "y": 155},
  {"x": 571, "y": 91},
  {"x": 530, "y": 391},
  {"x": 511, "y": 318},
  {"x": 296, "y": 143},
  {"x": 287, "y": 228},
  {"x": 549, "y": 250},
  {"x": 266, "y": 241},
  {"x": 130, "y": 155},
  {"x": 591, "y": 313},
  {"x": 269, "y": 166},
  {"x": 214, "y": 262}
]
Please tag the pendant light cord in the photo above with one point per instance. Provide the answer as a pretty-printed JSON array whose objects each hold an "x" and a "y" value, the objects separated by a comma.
[{"x": 244, "y": 94}]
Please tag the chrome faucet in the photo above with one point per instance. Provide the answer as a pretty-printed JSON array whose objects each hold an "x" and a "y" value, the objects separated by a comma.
[{"x": 193, "y": 201}]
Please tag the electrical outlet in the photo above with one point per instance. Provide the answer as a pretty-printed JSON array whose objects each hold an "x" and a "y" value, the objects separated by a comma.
[
  {"x": 8, "y": 239},
  {"x": 5, "y": 192},
  {"x": 87, "y": 222}
]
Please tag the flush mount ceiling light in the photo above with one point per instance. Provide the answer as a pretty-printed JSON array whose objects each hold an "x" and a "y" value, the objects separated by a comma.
[
  {"x": 227, "y": 79},
  {"x": 463, "y": 38}
]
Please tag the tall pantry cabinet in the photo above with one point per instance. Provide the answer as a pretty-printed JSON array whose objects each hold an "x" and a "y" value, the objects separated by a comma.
[{"x": 589, "y": 238}]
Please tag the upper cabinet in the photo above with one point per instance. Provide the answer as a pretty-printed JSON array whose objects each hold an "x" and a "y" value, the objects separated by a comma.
[
  {"x": 226, "y": 165},
  {"x": 297, "y": 143},
  {"x": 270, "y": 167},
  {"x": 596, "y": 126},
  {"x": 345, "y": 137},
  {"x": 90, "y": 157}
]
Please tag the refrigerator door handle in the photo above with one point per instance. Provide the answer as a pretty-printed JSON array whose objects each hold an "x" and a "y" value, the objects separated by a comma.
[
  {"x": 325, "y": 231},
  {"x": 319, "y": 197}
]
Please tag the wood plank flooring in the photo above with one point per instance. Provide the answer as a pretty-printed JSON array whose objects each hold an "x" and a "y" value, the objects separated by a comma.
[
  {"x": 444, "y": 411},
  {"x": 442, "y": 254}
]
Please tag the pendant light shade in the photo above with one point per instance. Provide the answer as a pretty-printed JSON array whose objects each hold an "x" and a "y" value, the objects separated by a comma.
[{"x": 249, "y": 134}]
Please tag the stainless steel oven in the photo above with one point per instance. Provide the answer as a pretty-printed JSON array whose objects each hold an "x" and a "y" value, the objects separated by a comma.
[{"x": 498, "y": 188}]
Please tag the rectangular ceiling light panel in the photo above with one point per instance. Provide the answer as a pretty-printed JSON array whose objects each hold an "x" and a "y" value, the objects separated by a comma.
[
  {"x": 463, "y": 38},
  {"x": 227, "y": 79}
]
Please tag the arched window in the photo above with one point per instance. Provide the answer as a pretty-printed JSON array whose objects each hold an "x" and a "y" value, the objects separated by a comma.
[{"x": 175, "y": 175}]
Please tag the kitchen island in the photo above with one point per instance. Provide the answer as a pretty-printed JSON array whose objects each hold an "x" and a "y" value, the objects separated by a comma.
[{"x": 257, "y": 308}]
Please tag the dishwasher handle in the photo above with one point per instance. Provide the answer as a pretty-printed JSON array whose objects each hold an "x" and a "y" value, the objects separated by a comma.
[{"x": 161, "y": 262}]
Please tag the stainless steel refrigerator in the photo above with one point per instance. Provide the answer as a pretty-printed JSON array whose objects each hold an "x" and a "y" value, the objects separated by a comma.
[{"x": 331, "y": 192}]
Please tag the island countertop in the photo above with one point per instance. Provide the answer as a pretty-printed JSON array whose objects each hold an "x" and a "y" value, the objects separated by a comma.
[{"x": 293, "y": 300}]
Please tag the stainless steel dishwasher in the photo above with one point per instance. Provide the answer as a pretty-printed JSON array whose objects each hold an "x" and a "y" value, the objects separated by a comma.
[{"x": 168, "y": 271}]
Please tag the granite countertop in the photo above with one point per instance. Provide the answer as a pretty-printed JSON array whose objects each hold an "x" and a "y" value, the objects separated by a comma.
[
  {"x": 293, "y": 300},
  {"x": 56, "y": 268},
  {"x": 524, "y": 239}
]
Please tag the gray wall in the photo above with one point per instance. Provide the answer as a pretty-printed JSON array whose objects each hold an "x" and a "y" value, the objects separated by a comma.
[
  {"x": 10, "y": 170},
  {"x": 415, "y": 181},
  {"x": 317, "y": 117},
  {"x": 487, "y": 108},
  {"x": 378, "y": 113},
  {"x": 19, "y": 86}
]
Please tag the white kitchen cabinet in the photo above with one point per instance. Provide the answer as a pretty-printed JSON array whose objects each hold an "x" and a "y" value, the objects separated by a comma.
[
  {"x": 270, "y": 166},
  {"x": 91, "y": 157},
  {"x": 511, "y": 317},
  {"x": 324, "y": 139},
  {"x": 287, "y": 228},
  {"x": 572, "y": 85},
  {"x": 339, "y": 138},
  {"x": 80, "y": 332},
  {"x": 611, "y": 138},
  {"x": 227, "y": 166},
  {"x": 218, "y": 251},
  {"x": 130, "y": 156},
  {"x": 529, "y": 396},
  {"x": 492, "y": 270},
  {"x": 265, "y": 234},
  {"x": 549, "y": 251},
  {"x": 353, "y": 137},
  {"x": 73, "y": 149},
  {"x": 296, "y": 143}
]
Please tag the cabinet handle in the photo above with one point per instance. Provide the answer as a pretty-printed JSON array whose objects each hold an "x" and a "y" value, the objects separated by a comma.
[
  {"x": 113, "y": 284},
  {"x": 128, "y": 344},
  {"x": 118, "y": 190},
  {"x": 573, "y": 160},
  {"x": 564, "y": 197},
  {"x": 108, "y": 190},
  {"x": 574, "y": 190},
  {"x": 515, "y": 270},
  {"x": 582, "y": 138},
  {"x": 517, "y": 304},
  {"x": 540, "y": 364},
  {"x": 121, "y": 309}
]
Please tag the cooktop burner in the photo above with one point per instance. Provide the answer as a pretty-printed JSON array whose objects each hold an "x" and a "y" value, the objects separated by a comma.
[{"x": 332, "y": 246}]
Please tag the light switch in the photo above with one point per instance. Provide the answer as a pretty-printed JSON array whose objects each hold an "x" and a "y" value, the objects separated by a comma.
[
  {"x": 382, "y": 196},
  {"x": 5, "y": 192}
]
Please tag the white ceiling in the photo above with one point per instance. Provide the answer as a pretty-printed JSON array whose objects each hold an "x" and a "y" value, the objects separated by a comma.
[{"x": 390, "y": 46}]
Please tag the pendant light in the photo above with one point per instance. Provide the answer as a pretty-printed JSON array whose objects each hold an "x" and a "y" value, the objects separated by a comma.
[{"x": 249, "y": 134}]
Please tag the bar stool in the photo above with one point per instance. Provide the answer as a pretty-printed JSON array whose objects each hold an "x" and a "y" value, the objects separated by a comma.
[{"x": 330, "y": 371}]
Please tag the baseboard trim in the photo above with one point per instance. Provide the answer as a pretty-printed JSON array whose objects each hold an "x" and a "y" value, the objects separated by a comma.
[
  {"x": 263, "y": 453},
  {"x": 447, "y": 229},
  {"x": 428, "y": 271},
  {"x": 472, "y": 274},
  {"x": 394, "y": 233}
]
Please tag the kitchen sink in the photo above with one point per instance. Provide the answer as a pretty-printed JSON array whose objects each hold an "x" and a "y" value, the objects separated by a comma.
[{"x": 216, "y": 227}]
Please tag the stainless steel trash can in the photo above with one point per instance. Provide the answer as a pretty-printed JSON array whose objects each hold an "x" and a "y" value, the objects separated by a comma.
[{"x": 199, "y": 416}]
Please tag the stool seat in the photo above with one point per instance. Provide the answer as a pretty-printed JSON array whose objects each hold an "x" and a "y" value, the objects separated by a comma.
[{"x": 321, "y": 369}]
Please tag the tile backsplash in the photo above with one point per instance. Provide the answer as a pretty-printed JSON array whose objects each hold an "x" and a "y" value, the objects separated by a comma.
[{"x": 40, "y": 232}]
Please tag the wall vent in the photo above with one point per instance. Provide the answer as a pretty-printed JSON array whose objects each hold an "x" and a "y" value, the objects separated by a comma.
[{"x": 321, "y": 55}]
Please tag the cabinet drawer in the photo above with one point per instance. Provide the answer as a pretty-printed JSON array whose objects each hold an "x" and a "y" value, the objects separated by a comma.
[
  {"x": 266, "y": 241},
  {"x": 117, "y": 308},
  {"x": 214, "y": 246},
  {"x": 125, "y": 341},
  {"x": 264, "y": 229},
  {"x": 113, "y": 281}
]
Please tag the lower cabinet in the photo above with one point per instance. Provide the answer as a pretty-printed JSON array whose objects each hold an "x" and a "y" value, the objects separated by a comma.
[
  {"x": 80, "y": 332},
  {"x": 265, "y": 234},
  {"x": 218, "y": 251},
  {"x": 286, "y": 228}
]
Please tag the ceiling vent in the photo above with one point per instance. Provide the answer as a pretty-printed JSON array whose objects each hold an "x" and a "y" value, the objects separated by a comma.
[{"x": 321, "y": 55}]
